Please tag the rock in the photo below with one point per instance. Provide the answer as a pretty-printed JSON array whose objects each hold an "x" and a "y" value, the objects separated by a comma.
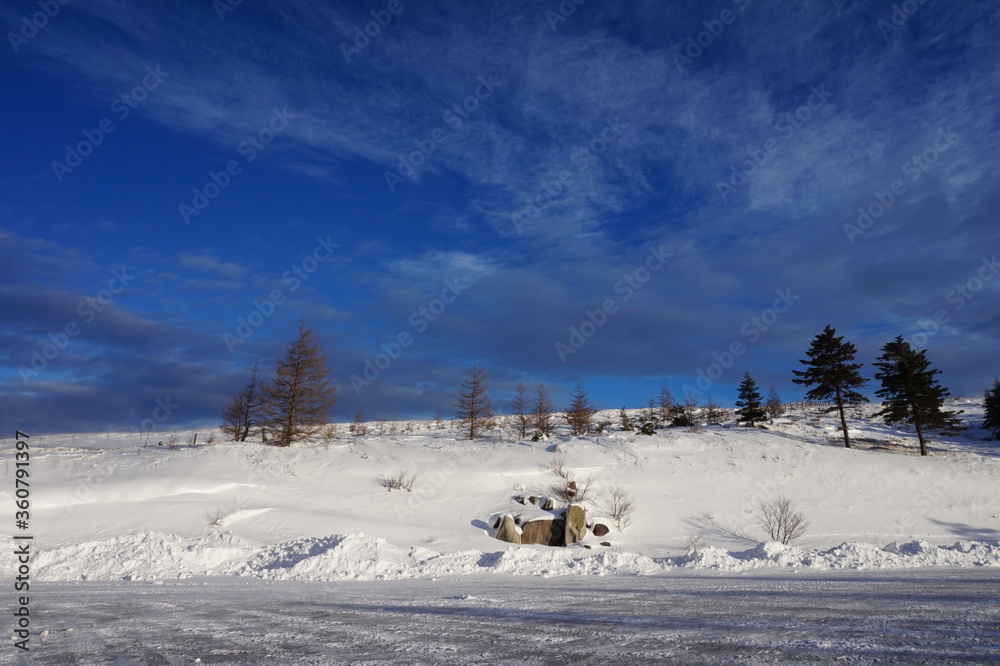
[
  {"x": 519, "y": 499},
  {"x": 498, "y": 521},
  {"x": 544, "y": 532},
  {"x": 571, "y": 489},
  {"x": 600, "y": 529},
  {"x": 549, "y": 504},
  {"x": 508, "y": 531},
  {"x": 605, "y": 543},
  {"x": 587, "y": 546},
  {"x": 576, "y": 524},
  {"x": 534, "y": 499}
]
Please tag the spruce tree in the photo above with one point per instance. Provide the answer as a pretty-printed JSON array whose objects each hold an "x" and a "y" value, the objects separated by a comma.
[
  {"x": 832, "y": 374},
  {"x": 625, "y": 420},
  {"x": 298, "y": 399},
  {"x": 473, "y": 406},
  {"x": 580, "y": 411},
  {"x": 749, "y": 408},
  {"x": 910, "y": 393},
  {"x": 242, "y": 412},
  {"x": 991, "y": 403}
]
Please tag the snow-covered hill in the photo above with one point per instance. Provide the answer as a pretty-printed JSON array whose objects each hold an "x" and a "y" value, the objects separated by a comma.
[{"x": 105, "y": 507}]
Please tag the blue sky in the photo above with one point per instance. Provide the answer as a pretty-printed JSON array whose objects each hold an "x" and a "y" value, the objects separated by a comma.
[{"x": 619, "y": 193}]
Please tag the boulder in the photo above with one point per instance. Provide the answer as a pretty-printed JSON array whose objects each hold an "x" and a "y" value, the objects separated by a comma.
[
  {"x": 605, "y": 543},
  {"x": 600, "y": 529},
  {"x": 534, "y": 499},
  {"x": 544, "y": 532},
  {"x": 576, "y": 524},
  {"x": 508, "y": 531},
  {"x": 549, "y": 504}
]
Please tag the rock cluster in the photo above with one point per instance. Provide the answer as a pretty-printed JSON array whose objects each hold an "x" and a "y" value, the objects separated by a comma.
[{"x": 543, "y": 523}]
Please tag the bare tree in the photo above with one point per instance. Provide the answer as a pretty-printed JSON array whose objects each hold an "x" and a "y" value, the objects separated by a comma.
[
  {"x": 781, "y": 521},
  {"x": 713, "y": 410},
  {"x": 242, "y": 412},
  {"x": 473, "y": 406},
  {"x": 666, "y": 404},
  {"x": 580, "y": 411},
  {"x": 521, "y": 407},
  {"x": 299, "y": 397},
  {"x": 541, "y": 411},
  {"x": 773, "y": 405},
  {"x": 620, "y": 506}
]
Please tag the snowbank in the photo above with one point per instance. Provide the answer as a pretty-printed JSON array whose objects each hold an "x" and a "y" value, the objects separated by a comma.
[{"x": 151, "y": 556}]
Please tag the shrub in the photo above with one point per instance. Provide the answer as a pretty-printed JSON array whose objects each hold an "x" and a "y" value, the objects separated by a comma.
[
  {"x": 620, "y": 506},
  {"x": 566, "y": 487},
  {"x": 401, "y": 481},
  {"x": 781, "y": 521}
]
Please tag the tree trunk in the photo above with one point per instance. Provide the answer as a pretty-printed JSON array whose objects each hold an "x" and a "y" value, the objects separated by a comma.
[
  {"x": 843, "y": 421},
  {"x": 920, "y": 435}
]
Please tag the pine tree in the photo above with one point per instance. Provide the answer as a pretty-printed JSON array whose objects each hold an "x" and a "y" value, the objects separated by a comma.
[
  {"x": 749, "y": 407},
  {"x": 541, "y": 411},
  {"x": 473, "y": 406},
  {"x": 298, "y": 399},
  {"x": 625, "y": 420},
  {"x": 832, "y": 374},
  {"x": 773, "y": 405},
  {"x": 242, "y": 412},
  {"x": 580, "y": 411},
  {"x": 910, "y": 393},
  {"x": 520, "y": 407},
  {"x": 991, "y": 403}
]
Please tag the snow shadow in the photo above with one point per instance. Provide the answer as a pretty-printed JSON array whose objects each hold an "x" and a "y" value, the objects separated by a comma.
[
  {"x": 709, "y": 529},
  {"x": 969, "y": 532}
]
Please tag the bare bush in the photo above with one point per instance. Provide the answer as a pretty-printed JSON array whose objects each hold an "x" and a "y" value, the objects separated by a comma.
[
  {"x": 215, "y": 516},
  {"x": 620, "y": 506},
  {"x": 780, "y": 519},
  {"x": 567, "y": 487},
  {"x": 694, "y": 543},
  {"x": 400, "y": 481}
]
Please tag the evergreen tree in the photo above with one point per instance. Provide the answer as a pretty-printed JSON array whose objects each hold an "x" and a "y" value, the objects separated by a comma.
[
  {"x": 991, "y": 402},
  {"x": 832, "y": 374},
  {"x": 714, "y": 412},
  {"x": 626, "y": 420},
  {"x": 520, "y": 408},
  {"x": 910, "y": 393},
  {"x": 580, "y": 411},
  {"x": 541, "y": 411},
  {"x": 473, "y": 406},
  {"x": 773, "y": 405},
  {"x": 750, "y": 409},
  {"x": 298, "y": 399},
  {"x": 242, "y": 412}
]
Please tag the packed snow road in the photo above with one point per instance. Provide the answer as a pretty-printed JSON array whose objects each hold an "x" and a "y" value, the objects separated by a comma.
[{"x": 927, "y": 616}]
